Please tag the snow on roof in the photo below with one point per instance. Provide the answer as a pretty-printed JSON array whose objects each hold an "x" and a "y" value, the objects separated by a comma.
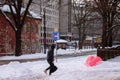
[
  {"x": 61, "y": 41},
  {"x": 6, "y": 8},
  {"x": 34, "y": 15}
]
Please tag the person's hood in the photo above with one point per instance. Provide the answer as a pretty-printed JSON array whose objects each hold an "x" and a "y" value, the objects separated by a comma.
[{"x": 52, "y": 46}]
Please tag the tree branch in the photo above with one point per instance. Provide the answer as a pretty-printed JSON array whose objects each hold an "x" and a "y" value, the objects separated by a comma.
[
  {"x": 112, "y": 27},
  {"x": 26, "y": 11},
  {"x": 13, "y": 14},
  {"x": 9, "y": 21}
]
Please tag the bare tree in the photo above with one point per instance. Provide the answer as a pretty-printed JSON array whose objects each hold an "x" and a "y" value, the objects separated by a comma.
[
  {"x": 116, "y": 26},
  {"x": 18, "y": 20},
  {"x": 81, "y": 18},
  {"x": 107, "y": 10}
]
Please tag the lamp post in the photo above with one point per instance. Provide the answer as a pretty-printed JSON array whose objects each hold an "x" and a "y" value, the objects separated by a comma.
[{"x": 44, "y": 28}]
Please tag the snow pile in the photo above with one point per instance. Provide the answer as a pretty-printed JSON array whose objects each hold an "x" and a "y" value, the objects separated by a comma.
[{"x": 68, "y": 69}]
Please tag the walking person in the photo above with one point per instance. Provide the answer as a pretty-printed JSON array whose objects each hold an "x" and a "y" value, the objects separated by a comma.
[{"x": 50, "y": 59}]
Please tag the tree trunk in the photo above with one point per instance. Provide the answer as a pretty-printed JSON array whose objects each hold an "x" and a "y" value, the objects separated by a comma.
[
  {"x": 80, "y": 40},
  {"x": 110, "y": 33},
  {"x": 104, "y": 33},
  {"x": 18, "y": 51},
  {"x": 110, "y": 38}
]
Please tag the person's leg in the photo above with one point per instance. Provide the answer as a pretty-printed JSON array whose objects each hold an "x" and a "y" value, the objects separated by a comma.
[
  {"x": 47, "y": 68},
  {"x": 51, "y": 67}
]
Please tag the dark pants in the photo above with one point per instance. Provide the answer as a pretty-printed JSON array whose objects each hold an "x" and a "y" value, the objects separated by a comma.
[{"x": 51, "y": 66}]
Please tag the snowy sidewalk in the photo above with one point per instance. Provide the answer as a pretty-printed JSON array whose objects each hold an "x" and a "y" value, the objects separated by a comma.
[
  {"x": 41, "y": 56},
  {"x": 68, "y": 69}
]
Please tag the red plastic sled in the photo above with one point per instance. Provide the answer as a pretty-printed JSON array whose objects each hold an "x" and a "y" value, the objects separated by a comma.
[{"x": 93, "y": 60}]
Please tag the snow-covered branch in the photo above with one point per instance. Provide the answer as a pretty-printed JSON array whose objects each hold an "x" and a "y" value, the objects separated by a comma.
[
  {"x": 8, "y": 19},
  {"x": 113, "y": 27}
]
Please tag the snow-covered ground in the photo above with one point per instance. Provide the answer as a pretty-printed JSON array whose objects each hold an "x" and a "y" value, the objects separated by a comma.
[
  {"x": 68, "y": 69},
  {"x": 42, "y": 55}
]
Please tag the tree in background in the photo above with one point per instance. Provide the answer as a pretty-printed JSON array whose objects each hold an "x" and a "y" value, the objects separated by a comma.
[
  {"x": 18, "y": 19},
  {"x": 116, "y": 26},
  {"x": 81, "y": 15},
  {"x": 107, "y": 9}
]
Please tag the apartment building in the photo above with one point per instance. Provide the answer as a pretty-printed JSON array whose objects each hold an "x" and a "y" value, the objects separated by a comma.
[
  {"x": 50, "y": 20},
  {"x": 65, "y": 19}
]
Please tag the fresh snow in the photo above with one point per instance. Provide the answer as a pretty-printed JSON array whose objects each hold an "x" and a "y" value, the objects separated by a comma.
[
  {"x": 6, "y": 8},
  {"x": 61, "y": 41},
  {"x": 73, "y": 68},
  {"x": 42, "y": 55}
]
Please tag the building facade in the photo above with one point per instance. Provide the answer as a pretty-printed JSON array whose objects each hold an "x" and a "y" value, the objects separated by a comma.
[
  {"x": 65, "y": 19},
  {"x": 50, "y": 17},
  {"x": 57, "y": 18},
  {"x": 30, "y": 36}
]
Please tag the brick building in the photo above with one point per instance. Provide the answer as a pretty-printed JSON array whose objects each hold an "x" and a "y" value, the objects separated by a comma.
[{"x": 30, "y": 36}]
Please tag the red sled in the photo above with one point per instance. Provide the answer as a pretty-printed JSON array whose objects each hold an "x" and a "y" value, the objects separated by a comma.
[{"x": 93, "y": 60}]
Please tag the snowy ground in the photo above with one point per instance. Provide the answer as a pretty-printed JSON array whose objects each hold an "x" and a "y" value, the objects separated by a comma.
[
  {"x": 42, "y": 55},
  {"x": 68, "y": 69}
]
